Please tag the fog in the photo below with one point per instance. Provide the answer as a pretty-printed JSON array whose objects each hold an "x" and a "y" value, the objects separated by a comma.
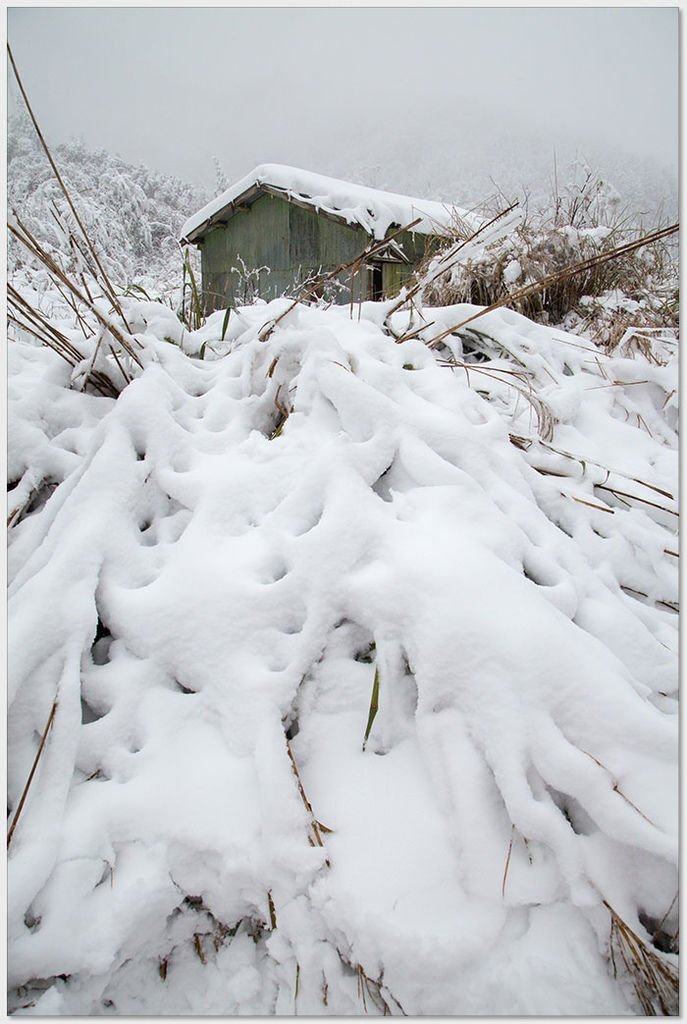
[{"x": 438, "y": 101}]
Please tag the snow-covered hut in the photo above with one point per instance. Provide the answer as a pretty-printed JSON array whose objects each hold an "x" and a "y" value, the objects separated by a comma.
[{"x": 280, "y": 226}]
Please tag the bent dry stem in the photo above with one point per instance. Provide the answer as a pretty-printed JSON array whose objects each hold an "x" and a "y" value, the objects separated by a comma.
[
  {"x": 374, "y": 707},
  {"x": 22, "y": 799}
]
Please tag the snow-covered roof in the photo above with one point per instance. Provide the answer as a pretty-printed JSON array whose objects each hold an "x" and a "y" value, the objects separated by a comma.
[{"x": 374, "y": 210}]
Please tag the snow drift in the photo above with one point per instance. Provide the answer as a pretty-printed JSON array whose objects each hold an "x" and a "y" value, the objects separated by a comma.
[{"x": 217, "y": 576}]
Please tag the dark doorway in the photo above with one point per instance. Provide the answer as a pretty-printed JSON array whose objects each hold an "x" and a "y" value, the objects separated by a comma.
[{"x": 376, "y": 283}]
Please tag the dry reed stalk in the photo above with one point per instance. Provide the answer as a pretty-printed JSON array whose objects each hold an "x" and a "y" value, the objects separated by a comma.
[
  {"x": 653, "y": 504},
  {"x": 29, "y": 319},
  {"x": 545, "y": 418},
  {"x": 199, "y": 948},
  {"x": 507, "y": 865},
  {"x": 272, "y": 911},
  {"x": 374, "y": 708},
  {"x": 49, "y": 343},
  {"x": 443, "y": 264},
  {"x": 560, "y": 275},
  {"x": 315, "y": 829},
  {"x": 659, "y": 926},
  {"x": 373, "y": 987},
  {"x": 616, "y": 384},
  {"x": 599, "y": 465},
  {"x": 654, "y": 978},
  {"x": 18, "y": 514},
  {"x": 109, "y": 290},
  {"x": 30, "y": 243},
  {"x": 22, "y": 799},
  {"x": 616, "y": 786},
  {"x": 582, "y": 501},
  {"x": 125, "y": 375},
  {"x": 284, "y": 414},
  {"x": 34, "y": 317}
]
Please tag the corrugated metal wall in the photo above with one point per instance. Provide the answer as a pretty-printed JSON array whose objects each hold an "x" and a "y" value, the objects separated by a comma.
[{"x": 295, "y": 244}]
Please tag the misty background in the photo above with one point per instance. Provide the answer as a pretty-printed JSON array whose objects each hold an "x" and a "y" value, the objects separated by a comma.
[{"x": 448, "y": 103}]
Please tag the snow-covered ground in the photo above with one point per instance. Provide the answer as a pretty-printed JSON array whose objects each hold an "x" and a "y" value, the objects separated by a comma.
[{"x": 215, "y": 578}]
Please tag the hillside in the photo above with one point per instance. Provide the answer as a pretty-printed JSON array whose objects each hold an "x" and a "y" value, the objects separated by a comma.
[{"x": 132, "y": 214}]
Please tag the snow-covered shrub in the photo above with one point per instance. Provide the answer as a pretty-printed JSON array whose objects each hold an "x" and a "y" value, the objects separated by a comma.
[{"x": 583, "y": 219}]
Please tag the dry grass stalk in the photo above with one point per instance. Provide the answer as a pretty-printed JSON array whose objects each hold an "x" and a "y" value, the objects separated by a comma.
[
  {"x": 581, "y": 501},
  {"x": 22, "y": 799},
  {"x": 284, "y": 414},
  {"x": 545, "y": 418},
  {"x": 314, "y": 827},
  {"x": 198, "y": 946},
  {"x": 443, "y": 264},
  {"x": 507, "y": 865},
  {"x": 374, "y": 988},
  {"x": 655, "y": 980},
  {"x": 561, "y": 275},
  {"x": 34, "y": 495},
  {"x": 616, "y": 472},
  {"x": 27, "y": 318},
  {"x": 272, "y": 911},
  {"x": 635, "y": 497},
  {"x": 27, "y": 239},
  {"x": 374, "y": 708},
  {"x": 109, "y": 290}
]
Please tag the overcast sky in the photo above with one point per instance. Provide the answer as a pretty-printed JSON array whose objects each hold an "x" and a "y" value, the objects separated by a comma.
[{"x": 397, "y": 93}]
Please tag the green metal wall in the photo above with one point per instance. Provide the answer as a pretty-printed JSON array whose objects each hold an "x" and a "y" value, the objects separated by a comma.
[{"x": 294, "y": 243}]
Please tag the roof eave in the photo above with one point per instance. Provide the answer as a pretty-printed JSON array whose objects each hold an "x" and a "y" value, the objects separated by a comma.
[
  {"x": 253, "y": 192},
  {"x": 247, "y": 198}
]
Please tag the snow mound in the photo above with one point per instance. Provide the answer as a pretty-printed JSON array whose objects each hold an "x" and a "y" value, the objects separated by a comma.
[
  {"x": 214, "y": 576},
  {"x": 373, "y": 209}
]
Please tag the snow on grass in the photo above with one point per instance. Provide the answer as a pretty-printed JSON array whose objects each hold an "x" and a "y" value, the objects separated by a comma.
[{"x": 228, "y": 555}]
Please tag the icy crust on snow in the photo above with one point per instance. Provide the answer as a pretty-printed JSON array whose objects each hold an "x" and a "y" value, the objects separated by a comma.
[
  {"x": 374, "y": 210},
  {"x": 208, "y": 578}
]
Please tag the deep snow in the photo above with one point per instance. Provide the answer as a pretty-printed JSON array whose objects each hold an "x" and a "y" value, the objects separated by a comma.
[{"x": 199, "y": 578}]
